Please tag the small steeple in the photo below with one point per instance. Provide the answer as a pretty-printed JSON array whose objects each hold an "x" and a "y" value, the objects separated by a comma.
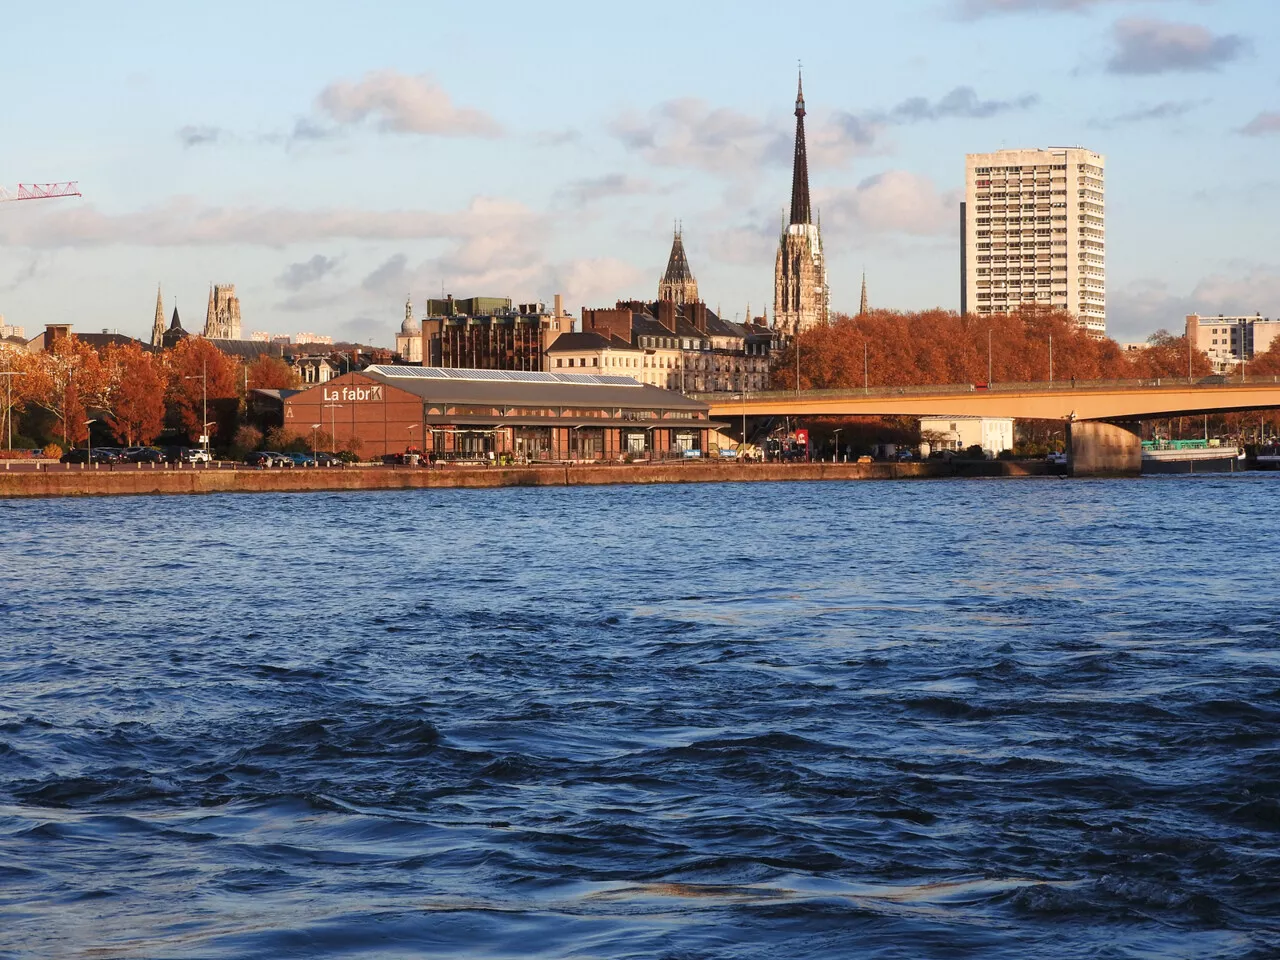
[
  {"x": 862, "y": 308},
  {"x": 678, "y": 284},
  {"x": 408, "y": 306},
  {"x": 175, "y": 324}
]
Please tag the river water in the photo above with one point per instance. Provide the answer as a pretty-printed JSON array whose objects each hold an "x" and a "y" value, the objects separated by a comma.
[{"x": 1009, "y": 719}]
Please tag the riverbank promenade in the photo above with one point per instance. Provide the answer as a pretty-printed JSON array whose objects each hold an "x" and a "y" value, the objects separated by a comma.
[{"x": 57, "y": 480}]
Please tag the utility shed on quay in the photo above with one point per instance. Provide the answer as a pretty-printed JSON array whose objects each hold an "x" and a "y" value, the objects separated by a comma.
[{"x": 470, "y": 414}]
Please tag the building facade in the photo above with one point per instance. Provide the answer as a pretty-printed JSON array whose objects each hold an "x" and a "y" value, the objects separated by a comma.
[
  {"x": 993, "y": 434},
  {"x": 1033, "y": 231},
  {"x": 485, "y": 333},
  {"x": 801, "y": 297},
  {"x": 222, "y": 320},
  {"x": 456, "y": 414},
  {"x": 1230, "y": 341},
  {"x": 684, "y": 347}
]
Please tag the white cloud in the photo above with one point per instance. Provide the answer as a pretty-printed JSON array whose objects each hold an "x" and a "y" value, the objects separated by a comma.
[
  {"x": 580, "y": 193},
  {"x": 183, "y": 221},
  {"x": 1263, "y": 124},
  {"x": 895, "y": 201},
  {"x": 1140, "y": 307},
  {"x": 689, "y": 132},
  {"x": 403, "y": 104},
  {"x": 1160, "y": 46}
]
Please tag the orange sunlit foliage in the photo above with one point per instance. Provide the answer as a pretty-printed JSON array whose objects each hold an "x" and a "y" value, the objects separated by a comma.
[
  {"x": 199, "y": 375},
  {"x": 1266, "y": 364},
  {"x": 140, "y": 383},
  {"x": 940, "y": 347},
  {"x": 270, "y": 373},
  {"x": 68, "y": 379}
]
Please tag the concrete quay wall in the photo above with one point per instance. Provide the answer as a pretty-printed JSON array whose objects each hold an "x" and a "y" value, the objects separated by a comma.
[{"x": 126, "y": 481}]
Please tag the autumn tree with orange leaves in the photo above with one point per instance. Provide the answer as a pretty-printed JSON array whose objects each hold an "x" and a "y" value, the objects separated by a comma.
[
  {"x": 270, "y": 373},
  {"x": 885, "y": 348},
  {"x": 199, "y": 374},
  {"x": 67, "y": 380},
  {"x": 139, "y": 385}
]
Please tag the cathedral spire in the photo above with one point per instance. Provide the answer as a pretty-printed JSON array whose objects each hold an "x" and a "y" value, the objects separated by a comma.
[
  {"x": 862, "y": 307},
  {"x": 157, "y": 328},
  {"x": 800, "y": 171}
]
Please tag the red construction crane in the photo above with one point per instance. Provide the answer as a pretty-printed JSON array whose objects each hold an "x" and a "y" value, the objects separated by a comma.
[{"x": 40, "y": 191}]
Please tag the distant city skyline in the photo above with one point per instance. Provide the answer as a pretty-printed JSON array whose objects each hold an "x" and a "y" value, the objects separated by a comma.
[{"x": 330, "y": 164}]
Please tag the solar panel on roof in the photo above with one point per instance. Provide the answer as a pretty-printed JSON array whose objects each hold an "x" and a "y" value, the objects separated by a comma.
[
  {"x": 618, "y": 381},
  {"x": 429, "y": 373},
  {"x": 583, "y": 378}
]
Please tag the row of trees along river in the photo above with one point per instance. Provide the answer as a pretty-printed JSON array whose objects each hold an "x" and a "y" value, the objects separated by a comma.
[
  {"x": 138, "y": 395},
  {"x": 134, "y": 393},
  {"x": 886, "y": 348}
]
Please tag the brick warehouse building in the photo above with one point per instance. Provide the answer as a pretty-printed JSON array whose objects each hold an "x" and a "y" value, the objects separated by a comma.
[{"x": 469, "y": 414}]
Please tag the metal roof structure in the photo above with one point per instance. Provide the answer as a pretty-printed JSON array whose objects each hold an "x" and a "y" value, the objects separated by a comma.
[
  {"x": 527, "y": 388},
  {"x": 505, "y": 376}
]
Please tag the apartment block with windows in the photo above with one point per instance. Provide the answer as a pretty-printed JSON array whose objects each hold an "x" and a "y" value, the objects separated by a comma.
[
  {"x": 1229, "y": 341},
  {"x": 1033, "y": 230}
]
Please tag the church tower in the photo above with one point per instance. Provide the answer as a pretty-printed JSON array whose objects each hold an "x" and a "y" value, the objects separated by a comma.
[
  {"x": 801, "y": 298},
  {"x": 157, "y": 327},
  {"x": 222, "y": 320},
  {"x": 678, "y": 284}
]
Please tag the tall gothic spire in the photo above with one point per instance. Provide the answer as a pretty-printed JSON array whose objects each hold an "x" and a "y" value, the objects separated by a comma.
[
  {"x": 157, "y": 328},
  {"x": 862, "y": 308},
  {"x": 800, "y": 172}
]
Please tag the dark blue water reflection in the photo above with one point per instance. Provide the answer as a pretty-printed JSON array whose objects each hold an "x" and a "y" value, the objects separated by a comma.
[{"x": 923, "y": 719}]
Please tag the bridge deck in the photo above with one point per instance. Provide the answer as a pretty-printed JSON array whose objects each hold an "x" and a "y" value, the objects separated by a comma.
[{"x": 1093, "y": 400}]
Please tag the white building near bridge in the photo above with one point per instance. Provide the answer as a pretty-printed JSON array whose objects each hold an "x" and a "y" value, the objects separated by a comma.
[{"x": 993, "y": 434}]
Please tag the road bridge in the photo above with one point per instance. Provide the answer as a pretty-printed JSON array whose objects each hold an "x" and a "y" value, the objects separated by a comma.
[{"x": 1102, "y": 414}]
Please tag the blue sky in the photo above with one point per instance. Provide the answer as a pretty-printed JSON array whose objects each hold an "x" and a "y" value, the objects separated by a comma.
[{"x": 328, "y": 158}]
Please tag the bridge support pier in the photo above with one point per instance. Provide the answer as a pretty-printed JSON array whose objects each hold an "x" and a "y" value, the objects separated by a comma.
[{"x": 1100, "y": 449}]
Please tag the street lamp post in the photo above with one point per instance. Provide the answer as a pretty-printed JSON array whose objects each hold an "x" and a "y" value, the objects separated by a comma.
[
  {"x": 836, "y": 458},
  {"x": 333, "y": 423},
  {"x": 315, "y": 427},
  {"x": 204, "y": 400},
  {"x": 88, "y": 441}
]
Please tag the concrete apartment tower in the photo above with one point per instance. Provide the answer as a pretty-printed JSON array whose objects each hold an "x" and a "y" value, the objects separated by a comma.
[
  {"x": 157, "y": 326},
  {"x": 801, "y": 297},
  {"x": 1032, "y": 230},
  {"x": 678, "y": 284},
  {"x": 222, "y": 321}
]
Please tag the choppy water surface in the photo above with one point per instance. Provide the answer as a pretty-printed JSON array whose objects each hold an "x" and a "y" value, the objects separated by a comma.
[{"x": 923, "y": 719}]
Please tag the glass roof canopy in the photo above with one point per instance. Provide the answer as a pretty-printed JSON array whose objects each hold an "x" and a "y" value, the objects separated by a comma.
[{"x": 510, "y": 376}]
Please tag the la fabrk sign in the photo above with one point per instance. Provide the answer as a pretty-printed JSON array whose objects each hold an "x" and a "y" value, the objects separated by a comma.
[{"x": 354, "y": 394}]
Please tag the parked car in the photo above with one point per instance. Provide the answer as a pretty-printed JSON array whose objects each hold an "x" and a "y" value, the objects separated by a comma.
[
  {"x": 324, "y": 459},
  {"x": 108, "y": 455},
  {"x": 300, "y": 459},
  {"x": 143, "y": 455},
  {"x": 197, "y": 455},
  {"x": 904, "y": 454},
  {"x": 268, "y": 458},
  {"x": 81, "y": 455},
  {"x": 1057, "y": 459}
]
